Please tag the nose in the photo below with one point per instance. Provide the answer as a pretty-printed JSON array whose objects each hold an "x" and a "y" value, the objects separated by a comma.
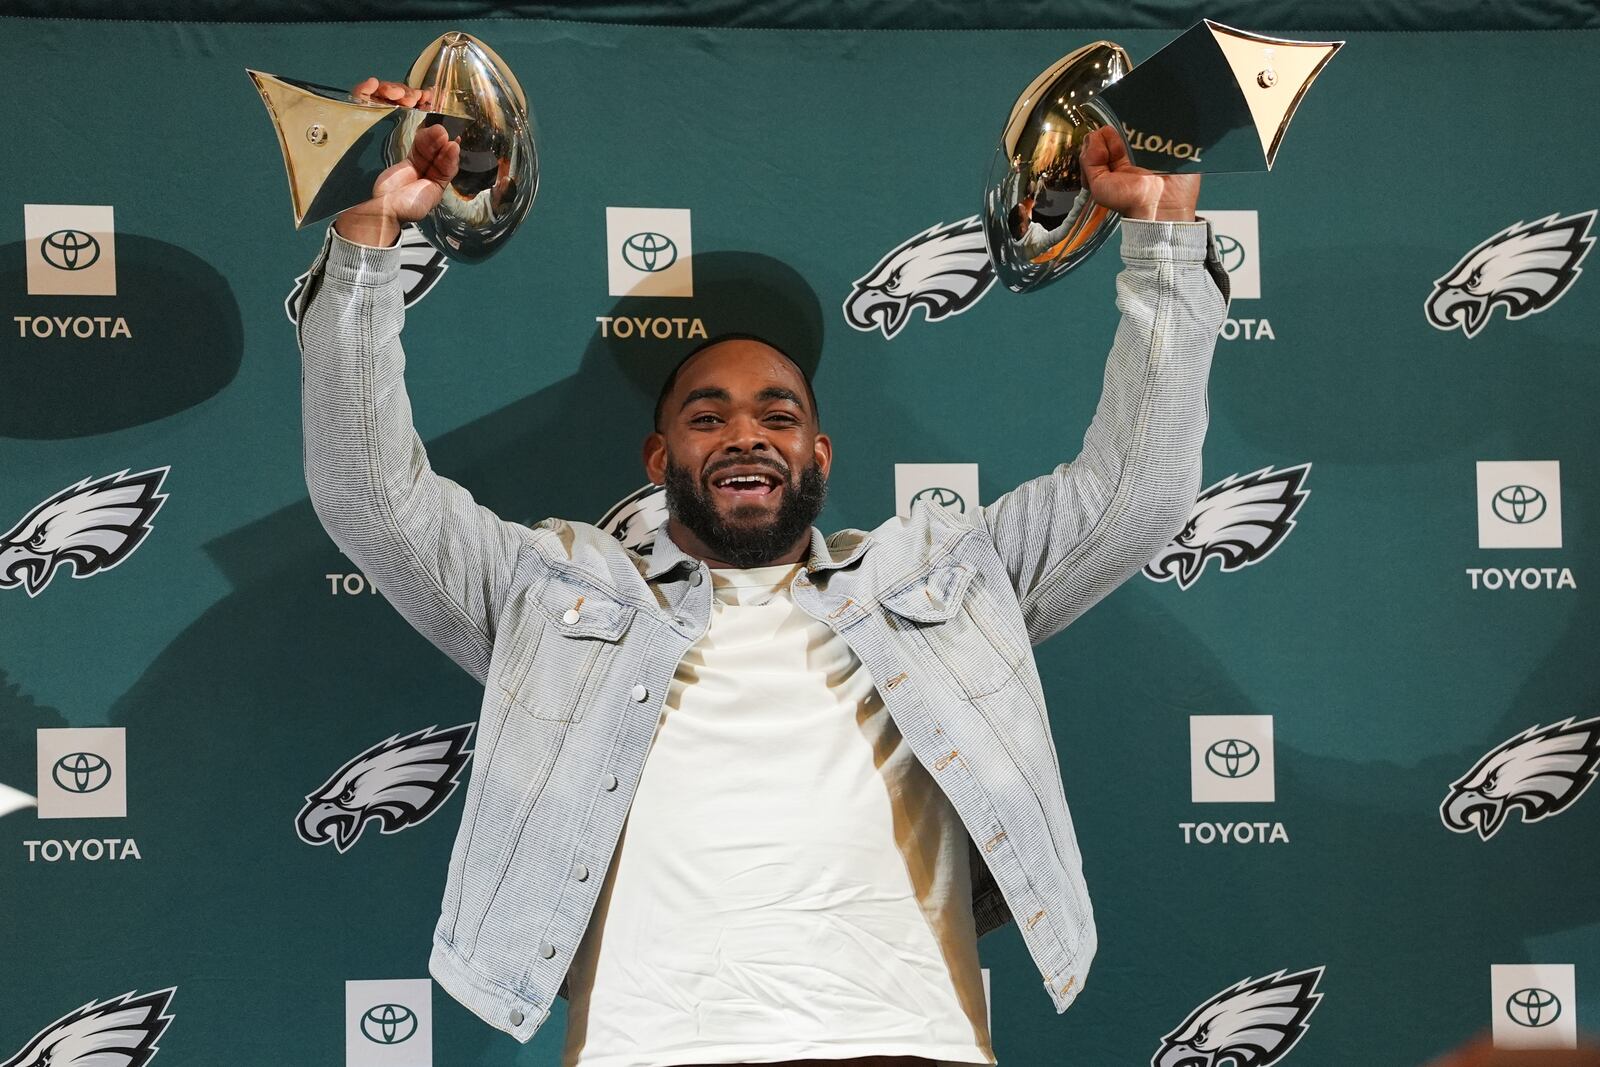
[{"x": 746, "y": 434}]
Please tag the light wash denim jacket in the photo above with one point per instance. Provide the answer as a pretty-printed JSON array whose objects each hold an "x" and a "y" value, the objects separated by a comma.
[{"x": 576, "y": 638}]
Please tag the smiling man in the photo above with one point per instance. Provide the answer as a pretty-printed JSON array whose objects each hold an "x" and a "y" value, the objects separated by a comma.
[
  {"x": 739, "y": 506},
  {"x": 752, "y": 797}
]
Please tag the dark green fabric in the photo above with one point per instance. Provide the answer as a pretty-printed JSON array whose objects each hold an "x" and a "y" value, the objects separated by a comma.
[{"x": 1261, "y": 15}]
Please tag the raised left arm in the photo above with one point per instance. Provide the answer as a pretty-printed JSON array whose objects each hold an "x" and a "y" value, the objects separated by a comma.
[{"x": 1069, "y": 537}]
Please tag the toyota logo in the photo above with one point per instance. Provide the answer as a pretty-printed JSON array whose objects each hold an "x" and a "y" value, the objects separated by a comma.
[
  {"x": 81, "y": 772},
  {"x": 1232, "y": 758},
  {"x": 649, "y": 252},
  {"x": 1230, "y": 251},
  {"x": 1519, "y": 504},
  {"x": 1533, "y": 1007},
  {"x": 938, "y": 494},
  {"x": 70, "y": 250},
  {"x": 388, "y": 1024}
]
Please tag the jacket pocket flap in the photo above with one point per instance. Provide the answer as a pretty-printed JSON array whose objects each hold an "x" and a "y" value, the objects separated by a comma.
[
  {"x": 583, "y": 611},
  {"x": 934, "y": 597}
]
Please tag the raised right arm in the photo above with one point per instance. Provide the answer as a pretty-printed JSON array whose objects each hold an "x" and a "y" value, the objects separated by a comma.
[{"x": 442, "y": 560}]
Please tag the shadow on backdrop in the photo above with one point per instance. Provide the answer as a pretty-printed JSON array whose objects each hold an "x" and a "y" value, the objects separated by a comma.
[
  {"x": 20, "y": 716},
  {"x": 185, "y": 345},
  {"x": 733, "y": 292}
]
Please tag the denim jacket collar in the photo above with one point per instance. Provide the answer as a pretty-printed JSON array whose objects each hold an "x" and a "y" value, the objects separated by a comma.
[{"x": 665, "y": 553}]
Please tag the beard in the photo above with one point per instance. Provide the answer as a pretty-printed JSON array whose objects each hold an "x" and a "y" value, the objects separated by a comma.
[{"x": 749, "y": 543}]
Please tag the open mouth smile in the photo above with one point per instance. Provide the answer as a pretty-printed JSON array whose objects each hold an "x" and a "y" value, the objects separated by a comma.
[{"x": 747, "y": 485}]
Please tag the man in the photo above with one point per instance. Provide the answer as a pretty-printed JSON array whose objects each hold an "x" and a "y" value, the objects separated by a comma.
[{"x": 753, "y": 797}]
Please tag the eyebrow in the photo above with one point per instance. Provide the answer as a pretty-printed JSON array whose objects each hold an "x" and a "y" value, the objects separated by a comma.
[
  {"x": 771, "y": 392},
  {"x": 778, "y": 392},
  {"x": 705, "y": 393}
]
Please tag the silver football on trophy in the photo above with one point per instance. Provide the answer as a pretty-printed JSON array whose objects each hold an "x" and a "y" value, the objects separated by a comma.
[
  {"x": 1038, "y": 218},
  {"x": 333, "y": 148},
  {"x": 1214, "y": 99}
]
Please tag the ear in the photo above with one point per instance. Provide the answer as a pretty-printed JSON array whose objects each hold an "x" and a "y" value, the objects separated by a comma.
[
  {"x": 823, "y": 451},
  {"x": 654, "y": 454}
]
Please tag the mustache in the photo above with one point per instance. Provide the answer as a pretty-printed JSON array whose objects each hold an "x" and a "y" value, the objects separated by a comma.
[{"x": 777, "y": 468}]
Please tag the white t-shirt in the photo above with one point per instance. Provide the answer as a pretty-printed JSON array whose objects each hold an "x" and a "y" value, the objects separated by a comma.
[{"x": 790, "y": 882}]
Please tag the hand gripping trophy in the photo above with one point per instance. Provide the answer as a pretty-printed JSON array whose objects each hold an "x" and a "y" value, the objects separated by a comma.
[
  {"x": 459, "y": 158},
  {"x": 1216, "y": 99}
]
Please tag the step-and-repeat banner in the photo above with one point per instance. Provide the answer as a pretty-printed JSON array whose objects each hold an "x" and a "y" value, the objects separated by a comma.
[{"x": 1330, "y": 755}]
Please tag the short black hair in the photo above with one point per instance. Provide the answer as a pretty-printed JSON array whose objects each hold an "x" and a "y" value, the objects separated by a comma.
[{"x": 672, "y": 376}]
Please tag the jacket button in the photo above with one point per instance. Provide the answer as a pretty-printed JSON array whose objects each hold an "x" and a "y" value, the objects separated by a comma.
[
  {"x": 582, "y": 873},
  {"x": 570, "y": 617},
  {"x": 547, "y": 950},
  {"x": 640, "y": 692},
  {"x": 516, "y": 1016},
  {"x": 610, "y": 782},
  {"x": 696, "y": 578}
]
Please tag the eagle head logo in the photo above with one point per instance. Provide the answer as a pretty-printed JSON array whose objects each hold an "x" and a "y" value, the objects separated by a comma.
[
  {"x": 398, "y": 782},
  {"x": 1238, "y": 522},
  {"x": 421, "y": 265},
  {"x": 1250, "y": 1024},
  {"x": 944, "y": 270},
  {"x": 91, "y": 526},
  {"x": 1524, "y": 268},
  {"x": 633, "y": 519},
  {"x": 1539, "y": 772},
  {"x": 120, "y": 1032}
]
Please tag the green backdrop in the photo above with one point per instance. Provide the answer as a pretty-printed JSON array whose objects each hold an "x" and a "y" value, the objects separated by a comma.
[{"x": 243, "y": 676}]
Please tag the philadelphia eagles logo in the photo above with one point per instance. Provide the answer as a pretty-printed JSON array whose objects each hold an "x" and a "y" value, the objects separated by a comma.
[
  {"x": 1250, "y": 1024},
  {"x": 1238, "y": 522},
  {"x": 944, "y": 270},
  {"x": 1539, "y": 772},
  {"x": 121, "y": 1032},
  {"x": 90, "y": 526},
  {"x": 1524, "y": 268},
  {"x": 421, "y": 266},
  {"x": 633, "y": 519},
  {"x": 398, "y": 783}
]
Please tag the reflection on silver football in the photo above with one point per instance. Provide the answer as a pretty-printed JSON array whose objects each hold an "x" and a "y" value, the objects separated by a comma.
[
  {"x": 1038, "y": 218},
  {"x": 499, "y": 175}
]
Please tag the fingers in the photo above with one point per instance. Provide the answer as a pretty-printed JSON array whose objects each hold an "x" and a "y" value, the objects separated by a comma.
[
  {"x": 1094, "y": 157},
  {"x": 397, "y": 93},
  {"x": 435, "y": 157},
  {"x": 1103, "y": 151},
  {"x": 1094, "y": 151},
  {"x": 1116, "y": 151},
  {"x": 374, "y": 91},
  {"x": 429, "y": 141}
]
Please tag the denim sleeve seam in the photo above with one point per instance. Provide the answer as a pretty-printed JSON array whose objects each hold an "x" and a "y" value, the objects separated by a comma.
[
  {"x": 1117, "y": 506},
  {"x": 375, "y": 473}
]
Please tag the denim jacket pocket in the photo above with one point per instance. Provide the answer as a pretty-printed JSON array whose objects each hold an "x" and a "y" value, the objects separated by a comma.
[
  {"x": 948, "y": 613},
  {"x": 580, "y": 625},
  {"x": 936, "y": 597}
]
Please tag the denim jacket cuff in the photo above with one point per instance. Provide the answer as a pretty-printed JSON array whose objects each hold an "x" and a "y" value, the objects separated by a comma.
[
  {"x": 1181, "y": 241},
  {"x": 359, "y": 264}
]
